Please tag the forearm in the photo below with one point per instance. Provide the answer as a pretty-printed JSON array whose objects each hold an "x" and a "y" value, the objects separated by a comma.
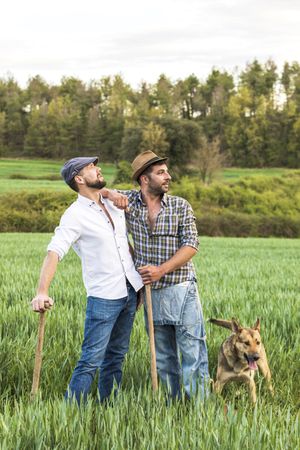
[
  {"x": 179, "y": 259},
  {"x": 47, "y": 273},
  {"x": 150, "y": 274},
  {"x": 118, "y": 199}
]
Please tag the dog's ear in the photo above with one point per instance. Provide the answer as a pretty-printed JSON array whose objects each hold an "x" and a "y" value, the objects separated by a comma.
[
  {"x": 235, "y": 326},
  {"x": 256, "y": 326}
]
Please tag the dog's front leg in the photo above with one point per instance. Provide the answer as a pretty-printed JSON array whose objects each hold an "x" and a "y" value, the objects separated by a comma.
[
  {"x": 265, "y": 370},
  {"x": 252, "y": 389},
  {"x": 218, "y": 386}
]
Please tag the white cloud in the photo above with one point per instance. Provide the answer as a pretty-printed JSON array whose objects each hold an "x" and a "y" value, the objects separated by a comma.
[{"x": 141, "y": 39}]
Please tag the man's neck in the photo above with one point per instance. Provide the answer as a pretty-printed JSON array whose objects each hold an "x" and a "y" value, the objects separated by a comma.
[
  {"x": 150, "y": 198},
  {"x": 91, "y": 194}
]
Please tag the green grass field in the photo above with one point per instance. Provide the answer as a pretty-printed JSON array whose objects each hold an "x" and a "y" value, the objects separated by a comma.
[
  {"x": 43, "y": 168},
  {"x": 245, "y": 278},
  {"x": 232, "y": 173},
  {"x": 38, "y": 169}
]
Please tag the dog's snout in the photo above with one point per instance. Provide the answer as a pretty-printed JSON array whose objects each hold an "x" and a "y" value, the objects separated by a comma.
[{"x": 255, "y": 357}]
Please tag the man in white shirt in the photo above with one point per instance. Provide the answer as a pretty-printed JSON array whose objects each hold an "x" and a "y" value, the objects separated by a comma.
[{"x": 96, "y": 230}]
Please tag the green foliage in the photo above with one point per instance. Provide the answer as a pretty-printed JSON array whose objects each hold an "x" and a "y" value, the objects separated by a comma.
[
  {"x": 20, "y": 176},
  {"x": 33, "y": 212},
  {"x": 107, "y": 116},
  {"x": 124, "y": 173},
  {"x": 252, "y": 206},
  {"x": 244, "y": 278}
]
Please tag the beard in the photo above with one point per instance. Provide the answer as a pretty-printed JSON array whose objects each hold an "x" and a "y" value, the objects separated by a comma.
[
  {"x": 95, "y": 184},
  {"x": 156, "y": 189}
]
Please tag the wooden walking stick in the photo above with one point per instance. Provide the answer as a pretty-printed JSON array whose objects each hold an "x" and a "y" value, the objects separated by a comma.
[
  {"x": 38, "y": 355},
  {"x": 151, "y": 337}
]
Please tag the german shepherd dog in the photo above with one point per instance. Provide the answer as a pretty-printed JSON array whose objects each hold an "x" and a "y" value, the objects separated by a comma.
[{"x": 240, "y": 355}]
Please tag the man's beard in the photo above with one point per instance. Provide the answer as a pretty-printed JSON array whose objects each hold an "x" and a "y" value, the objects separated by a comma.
[
  {"x": 158, "y": 189},
  {"x": 96, "y": 184}
]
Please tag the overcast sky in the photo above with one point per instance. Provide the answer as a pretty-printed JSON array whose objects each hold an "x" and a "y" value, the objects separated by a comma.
[{"x": 140, "y": 39}]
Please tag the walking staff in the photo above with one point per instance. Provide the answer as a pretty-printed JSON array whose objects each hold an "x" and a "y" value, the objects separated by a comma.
[{"x": 151, "y": 338}]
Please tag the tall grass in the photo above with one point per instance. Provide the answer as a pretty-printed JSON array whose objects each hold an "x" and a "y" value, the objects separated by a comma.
[{"x": 245, "y": 278}]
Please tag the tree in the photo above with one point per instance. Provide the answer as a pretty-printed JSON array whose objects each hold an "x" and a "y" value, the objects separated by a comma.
[
  {"x": 214, "y": 116},
  {"x": 94, "y": 132},
  {"x": 260, "y": 80},
  {"x": 37, "y": 91},
  {"x": 36, "y": 140},
  {"x": 64, "y": 128},
  {"x": 2, "y": 130},
  {"x": 187, "y": 97},
  {"x": 183, "y": 139},
  {"x": 15, "y": 122},
  {"x": 131, "y": 143},
  {"x": 154, "y": 138},
  {"x": 209, "y": 159},
  {"x": 163, "y": 95}
]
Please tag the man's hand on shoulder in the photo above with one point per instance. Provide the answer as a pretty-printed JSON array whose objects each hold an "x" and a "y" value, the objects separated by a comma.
[
  {"x": 150, "y": 274},
  {"x": 41, "y": 303},
  {"x": 119, "y": 200}
]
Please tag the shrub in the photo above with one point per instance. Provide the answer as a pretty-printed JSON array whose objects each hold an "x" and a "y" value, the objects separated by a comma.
[
  {"x": 21, "y": 176},
  {"x": 270, "y": 206},
  {"x": 246, "y": 225},
  {"x": 124, "y": 173},
  {"x": 33, "y": 212}
]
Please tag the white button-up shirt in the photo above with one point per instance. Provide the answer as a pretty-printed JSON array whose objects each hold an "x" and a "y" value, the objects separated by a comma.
[{"x": 103, "y": 250}]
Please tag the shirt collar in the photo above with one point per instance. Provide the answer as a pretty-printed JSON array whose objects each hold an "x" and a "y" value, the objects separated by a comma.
[
  {"x": 87, "y": 201},
  {"x": 164, "y": 199}
]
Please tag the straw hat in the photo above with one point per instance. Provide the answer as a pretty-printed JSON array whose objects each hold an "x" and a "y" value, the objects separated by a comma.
[{"x": 144, "y": 160}]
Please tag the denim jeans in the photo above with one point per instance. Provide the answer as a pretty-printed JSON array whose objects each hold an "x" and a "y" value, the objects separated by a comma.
[
  {"x": 181, "y": 351},
  {"x": 108, "y": 326}
]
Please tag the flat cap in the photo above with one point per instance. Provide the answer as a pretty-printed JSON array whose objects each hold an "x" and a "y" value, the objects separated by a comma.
[{"x": 72, "y": 167}]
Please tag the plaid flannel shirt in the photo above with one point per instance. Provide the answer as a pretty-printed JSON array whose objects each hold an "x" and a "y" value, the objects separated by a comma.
[{"x": 175, "y": 227}]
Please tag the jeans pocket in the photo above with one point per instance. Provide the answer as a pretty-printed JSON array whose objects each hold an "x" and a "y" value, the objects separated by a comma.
[
  {"x": 191, "y": 311},
  {"x": 101, "y": 310}
]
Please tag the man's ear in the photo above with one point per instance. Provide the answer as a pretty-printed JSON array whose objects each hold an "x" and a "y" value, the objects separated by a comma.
[
  {"x": 144, "y": 178},
  {"x": 79, "y": 179}
]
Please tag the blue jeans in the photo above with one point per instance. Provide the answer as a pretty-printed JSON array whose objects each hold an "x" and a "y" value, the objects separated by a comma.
[
  {"x": 181, "y": 351},
  {"x": 108, "y": 326}
]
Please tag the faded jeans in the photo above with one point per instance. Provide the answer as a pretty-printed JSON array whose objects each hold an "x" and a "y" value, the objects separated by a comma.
[
  {"x": 180, "y": 340},
  {"x": 108, "y": 326}
]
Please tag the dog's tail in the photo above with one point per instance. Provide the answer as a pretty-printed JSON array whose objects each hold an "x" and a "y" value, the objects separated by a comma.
[{"x": 223, "y": 323}]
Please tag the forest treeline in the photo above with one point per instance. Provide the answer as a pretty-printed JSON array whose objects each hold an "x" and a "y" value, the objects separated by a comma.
[{"x": 254, "y": 117}]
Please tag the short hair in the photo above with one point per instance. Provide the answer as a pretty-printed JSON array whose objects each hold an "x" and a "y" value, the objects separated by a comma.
[{"x": 73, "y": 185}]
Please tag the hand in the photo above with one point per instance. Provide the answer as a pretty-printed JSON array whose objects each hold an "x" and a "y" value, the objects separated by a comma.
[
  {"x": 41, "y": 303},
  {"x": 119, "y": 200},
  {"x": 150, "y": 274},
  {"x": 139, "y": 299}
]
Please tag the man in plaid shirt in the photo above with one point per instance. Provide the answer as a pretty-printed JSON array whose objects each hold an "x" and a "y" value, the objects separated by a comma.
[{"x": 165, "y": 239}]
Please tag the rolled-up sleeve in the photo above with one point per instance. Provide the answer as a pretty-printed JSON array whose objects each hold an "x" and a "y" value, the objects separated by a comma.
[
  {"x": 66, "y": 234},
  {"x": 187, "y": 229}
]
